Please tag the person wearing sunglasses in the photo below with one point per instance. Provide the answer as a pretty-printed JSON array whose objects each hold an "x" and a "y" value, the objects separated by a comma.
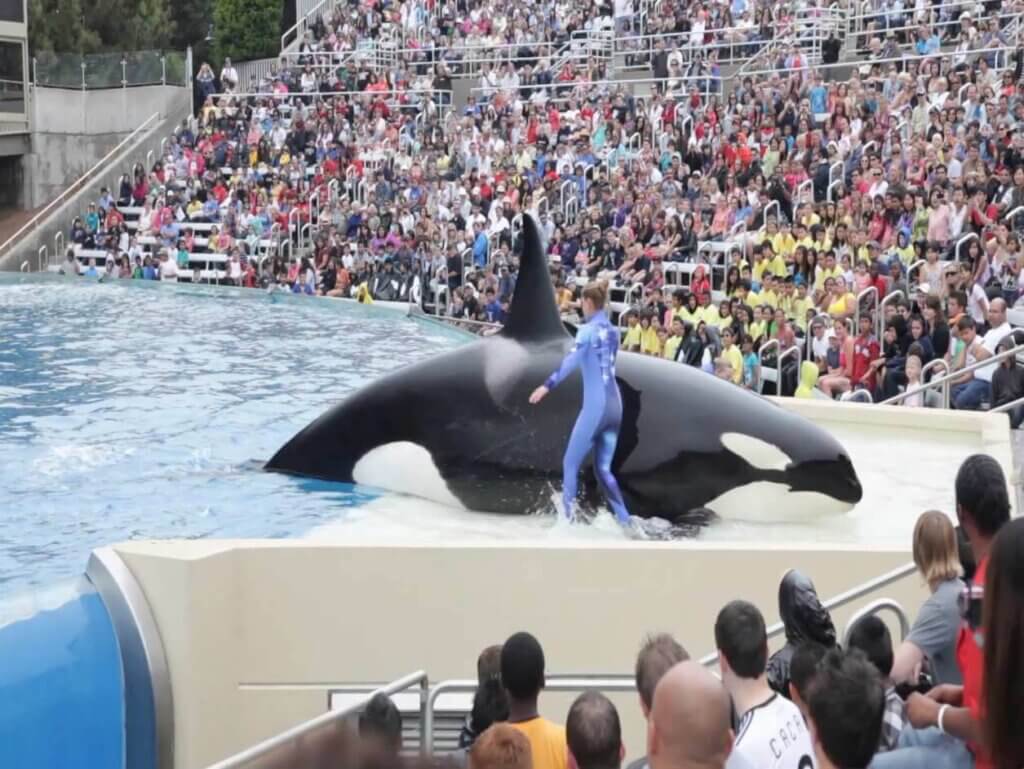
[{"x": 948, "y": 729}]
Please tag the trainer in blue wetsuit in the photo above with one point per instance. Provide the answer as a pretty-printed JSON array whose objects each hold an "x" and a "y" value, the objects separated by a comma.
[{"x": 597, "y": 426}]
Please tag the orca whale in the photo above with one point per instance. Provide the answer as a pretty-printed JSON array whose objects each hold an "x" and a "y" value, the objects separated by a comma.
[{"x": 459, "y": 429}]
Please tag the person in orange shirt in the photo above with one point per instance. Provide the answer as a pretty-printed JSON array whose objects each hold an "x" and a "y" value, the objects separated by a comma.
[{"x": 522, "y": 673}]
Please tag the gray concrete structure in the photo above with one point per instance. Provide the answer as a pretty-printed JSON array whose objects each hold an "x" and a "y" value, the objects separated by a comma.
[
  {"x": 73, "y": 129},
  {"x": 42, "y": 232}
]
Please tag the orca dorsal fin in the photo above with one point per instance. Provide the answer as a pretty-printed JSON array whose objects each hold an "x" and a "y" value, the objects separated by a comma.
[{"x": 533, "y": 313}]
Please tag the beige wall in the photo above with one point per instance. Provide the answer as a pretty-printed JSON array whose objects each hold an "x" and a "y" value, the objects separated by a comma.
[{"x": 257, "y": 631}]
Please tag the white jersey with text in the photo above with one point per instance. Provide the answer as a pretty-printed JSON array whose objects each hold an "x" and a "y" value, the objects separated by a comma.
[{"x": 773, "y": 735}]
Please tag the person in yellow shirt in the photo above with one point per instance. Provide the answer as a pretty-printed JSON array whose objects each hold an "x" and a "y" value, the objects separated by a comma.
[
  {"x": 803, "y": 238},
  {"x": 762, "y": 263},
  {"x": 776, "y": 263},
  {"x": 801, "y": 304},
  {"x": 829, "y": 270},
  {"x": 785, "y": 296},
  {"x": 522, "y": 674},
  {"x": 631, "y": 343},
  {"x": 807, "y": 216},
  {"x": 732, "y": 355},
  {"x": 784, "y": 243},
  {"x": 768, "y": 294},
  {"x": 675, "y": 339},
  {"x": 770, "y": 230},
  {"x": 690, "y": 312},
  {"x": 649, "y": 343},
  {"x": 820, "y": 239},
  {"x": 708, "y": 312}
]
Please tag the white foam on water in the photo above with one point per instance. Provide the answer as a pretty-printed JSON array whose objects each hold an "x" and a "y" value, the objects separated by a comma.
[{"x": 27, "y": 604}]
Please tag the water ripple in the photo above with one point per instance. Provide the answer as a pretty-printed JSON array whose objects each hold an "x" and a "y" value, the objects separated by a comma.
[{"x": 132, "y": 412}]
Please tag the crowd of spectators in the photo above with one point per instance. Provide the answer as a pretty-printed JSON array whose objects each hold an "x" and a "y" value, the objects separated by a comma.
[
  {"x": 950, "y": 695},
  {"x": 766, "y": 212}
]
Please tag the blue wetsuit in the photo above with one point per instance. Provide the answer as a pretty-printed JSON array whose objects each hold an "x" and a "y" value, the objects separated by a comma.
[{"x": 597, "y": 426}]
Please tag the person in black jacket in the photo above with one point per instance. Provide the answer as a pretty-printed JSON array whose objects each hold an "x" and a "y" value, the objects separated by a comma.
[
  {"x": 805, "y": 619},
  {"x": 1008, "y": 385}
]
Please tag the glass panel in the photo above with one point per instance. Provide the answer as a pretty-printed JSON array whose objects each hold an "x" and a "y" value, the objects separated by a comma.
[
  {"x": 176, "y": 68},
  {"x": 12, "y": 77},
  {"x": 12, "y": 10},
  {"x": 58, "y": 70},
  {"x": 103, "y": 70},
  {"x": 144, "y": 68}
]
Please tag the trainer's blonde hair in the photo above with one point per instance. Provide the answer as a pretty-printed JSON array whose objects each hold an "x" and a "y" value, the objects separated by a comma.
[
  {"x": 935, "y": 549},
  {"x": 597, "y": 292}
]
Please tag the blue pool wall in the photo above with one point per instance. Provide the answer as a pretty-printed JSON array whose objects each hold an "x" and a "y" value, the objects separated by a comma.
[{"x": 62, "y": 687}]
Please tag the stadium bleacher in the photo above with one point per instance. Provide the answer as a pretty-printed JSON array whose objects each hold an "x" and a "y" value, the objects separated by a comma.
[{"x": 648, "y": 137}]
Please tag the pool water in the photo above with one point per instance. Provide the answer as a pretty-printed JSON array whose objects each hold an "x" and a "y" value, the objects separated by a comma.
[
  {"x": 141, "y": 411},
  {"x": 134, "y": 411}
]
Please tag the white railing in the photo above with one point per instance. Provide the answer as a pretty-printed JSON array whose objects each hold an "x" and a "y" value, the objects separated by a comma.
[
  {"x": 289, "y": 745},
  {"x": 76, "y": 186}
]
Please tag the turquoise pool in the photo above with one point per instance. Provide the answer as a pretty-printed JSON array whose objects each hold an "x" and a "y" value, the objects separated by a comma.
[{"x": 133, "y": 411}]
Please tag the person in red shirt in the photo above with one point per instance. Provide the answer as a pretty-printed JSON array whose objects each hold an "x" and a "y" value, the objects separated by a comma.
[
  {"x": 1004, "y": 675},
  {"x": 865, "y": 350},
  {"x": 948, "y": 721}
]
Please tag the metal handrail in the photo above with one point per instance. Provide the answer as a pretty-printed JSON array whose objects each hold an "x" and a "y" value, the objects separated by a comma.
[
  {"x": 856, "y": 395},
  {"x": 856, "y": 311},
  {"x": 819, "y": 67},
  {"x": 770, "y": 344},
  {"x": 76, "y": 185},
  {"x": 613, "y": 683},
  {"x": 826, "y": 319},
  {"x": 998, "y": 357},
  {"x": 932, "y": 366},
  {"x": 961, "y": 240},
  {"x": 626, "y": 682},
  {"x": 837, "y": 602},
  {"x": 302, "y": 731},
  {"x": 882, "y": 604},
  {"x": 1002, "y": 409},
  {"x": 912, "y": 287},
  {"x": 1009, "y": 215},
  {"x": 886, "y": 301}
]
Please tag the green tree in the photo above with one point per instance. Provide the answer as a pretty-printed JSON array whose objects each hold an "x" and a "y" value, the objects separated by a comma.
[
  {"x": 246, "y": 29},
  {"x": 60, "y": 25},
  {"x": 192, "y": 21},
  {"x": 71, "y": 26}
]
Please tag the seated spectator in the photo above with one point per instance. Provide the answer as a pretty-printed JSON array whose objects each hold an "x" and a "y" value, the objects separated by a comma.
[
  {"x": 659, "y": 654},
  {"x": 845, "y": 703},
  {"x": 1008, "y": 384},
  {"x": 490, "y": 703},
  {"x": 380, "y": 726},
  {"x": 972, "y": 388},
  {"x": 805, "y": 619},
  {"x": 691, "y": 721},
  {"x": 501, "y": 747},
  {"x": 1004, "y": 648},
  {"x": 593, "y": 733},
  {"x": 933, "y": 635},
  {"x": 762, "y": 714},
  {"x": 803, "y": 666},
  {"x": 948, "y": 726},
  {"x": 522, "y": 674},
  {"x": 871, "y": 637}
]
